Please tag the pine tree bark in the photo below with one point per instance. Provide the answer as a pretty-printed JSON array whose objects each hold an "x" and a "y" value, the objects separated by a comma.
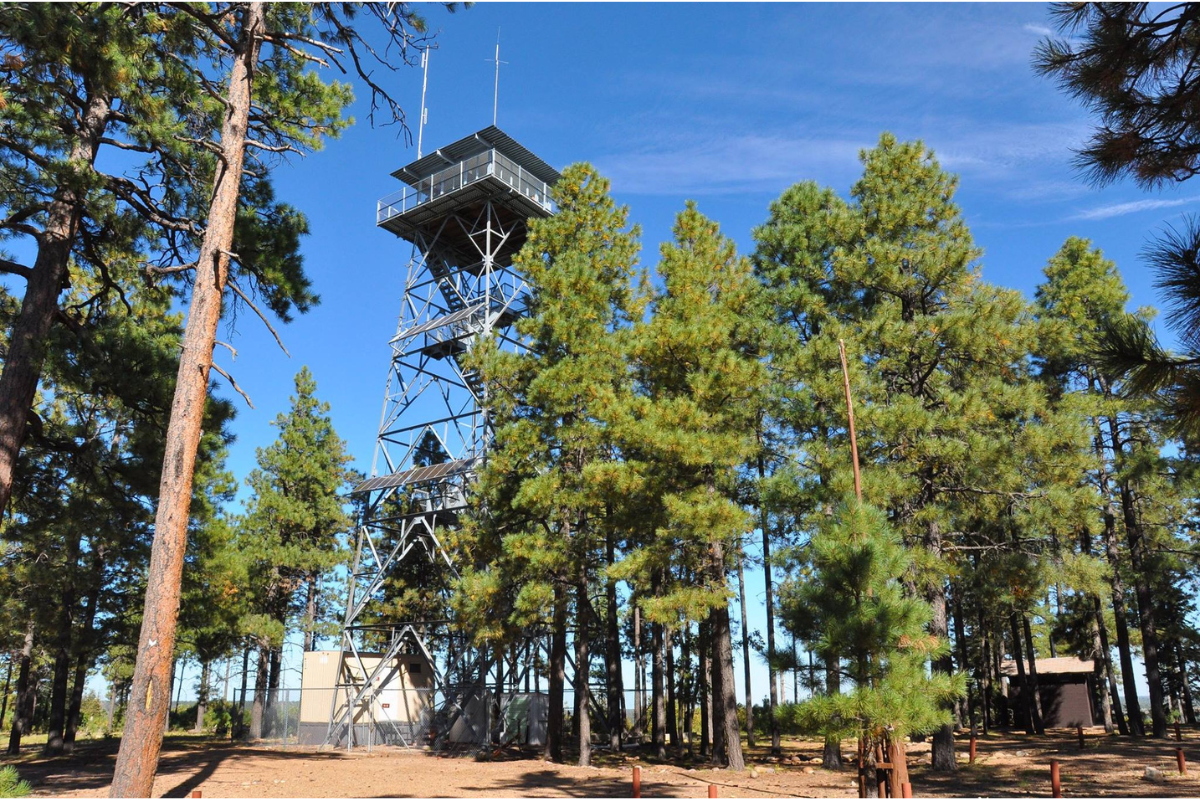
[
  {"x": 672, "y": 716},
  {"x": 582, "y": 661},
  {"x": 83, "y": 658},
  {"x": 658, "y": 717},
  {"x": 137, "y": 760},
  {"x": 639, "y": 676},
  {"x": 239, "y": 725},
  {"x": 26, "y": 692},
  {"x": 202, "y": 696},
  {"x": 967, "y": 711},
  {"x": 727, "y": 741},
  {"x": 258, "y": 708},
  {"x": 50, "y": 275},
  {"x": 273, "y": 691},
  {"x": 705, "y": 649},
  {"x": 831, "y": 753},
  {"x": 776, "y": 745},
  {"x": 1031, "y": 654},
  {"x": 1139, "y": 561},
  {"x": 745, "y": 650},
  {"x": 310, "y": 612},
  {"x": 558, "y": 675},
  {"x": 56, "y": 724},
  {"x": 943, "y": 759},
  {"x": 1028, "y": 707},
  {"x": 612, "y": 649},
  {"x": 1106, "y": 688},
  {"x": 7, "y": 684}
]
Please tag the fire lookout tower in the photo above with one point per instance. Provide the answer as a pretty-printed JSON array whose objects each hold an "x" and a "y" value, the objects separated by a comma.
[{"x": 464, "y": 208}]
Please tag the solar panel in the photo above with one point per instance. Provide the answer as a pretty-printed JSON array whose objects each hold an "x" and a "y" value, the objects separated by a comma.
[{"x": 416, "y": 475}]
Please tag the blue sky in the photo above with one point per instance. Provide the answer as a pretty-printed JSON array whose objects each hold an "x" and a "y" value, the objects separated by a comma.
[{"x": 725, "y": 103}]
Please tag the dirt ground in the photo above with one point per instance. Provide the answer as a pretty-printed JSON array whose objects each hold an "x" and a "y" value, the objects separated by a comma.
[{"x": 1008, "y": 765}]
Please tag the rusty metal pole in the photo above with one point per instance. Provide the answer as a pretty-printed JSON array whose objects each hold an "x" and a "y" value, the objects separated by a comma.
[
  {"x": 971, "y": 758},
  {"x": 1178, "y": 732},
  {"x": 1055, "y": 779},
  {"x": 906, "y": 789},
  {"x": 712, "y": 790},
  {"x": 1180, "y": 761},
  {"x": 637, "y": 781}
]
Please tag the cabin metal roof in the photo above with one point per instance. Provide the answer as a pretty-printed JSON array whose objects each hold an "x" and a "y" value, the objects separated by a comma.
[
  {"x": 489, "y": 138},
  {"x": 1063, "y": 665}
]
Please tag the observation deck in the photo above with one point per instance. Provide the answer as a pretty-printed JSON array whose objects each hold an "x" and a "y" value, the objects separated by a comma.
[{"x": 486, "y": 166}]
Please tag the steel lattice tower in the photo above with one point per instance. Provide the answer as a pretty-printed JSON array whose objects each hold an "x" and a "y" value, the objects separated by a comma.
[{"x": 464, "y": 209}]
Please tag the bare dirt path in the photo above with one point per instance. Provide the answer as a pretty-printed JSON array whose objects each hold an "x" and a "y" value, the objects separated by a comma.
[{"x": 1008, "y": 765}]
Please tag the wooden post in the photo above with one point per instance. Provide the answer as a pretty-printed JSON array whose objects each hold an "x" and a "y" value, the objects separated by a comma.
[
  {"x": 712, "y": 790},
  {"x": 1055, "y": 779},
  {"x": 637, "y": 781},
  {"x": 1080, "y": 729},
  {"x": 1178, "y": 732},
  {"x": 850, "y": 417},
  {"x": 906, "y": 789},
  {"x": 196, "y": 793},
  {"x": 971, "y": 759},
  {"x": 1180, "y": 761}
]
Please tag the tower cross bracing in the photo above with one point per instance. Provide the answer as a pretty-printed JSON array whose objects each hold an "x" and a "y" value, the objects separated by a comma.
[{"x": 464, "y": 209}]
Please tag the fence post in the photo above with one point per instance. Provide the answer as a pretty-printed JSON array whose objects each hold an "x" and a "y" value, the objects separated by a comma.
[
  {"x": 712, "y": 790},
  {"x": 1055, "y": 779},
  {"x": 1180, "y": 761},
  {"x": 637, "y": 781},
  {"x": 971, "y": 759}
]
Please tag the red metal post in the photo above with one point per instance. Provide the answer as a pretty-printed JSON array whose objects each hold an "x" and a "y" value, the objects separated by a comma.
[
  {"x": 637, "y": 781},
  {"x": 1055, "y": 779},
  {"x": 712, "y": 790},
  {"x": 195, "y": 793},
  {"x": 906, "y": 789},
  {"x": 972, "y": 750},
  {"x": 1181, "y": 761},
  {"x": 1178, "y": 733}
]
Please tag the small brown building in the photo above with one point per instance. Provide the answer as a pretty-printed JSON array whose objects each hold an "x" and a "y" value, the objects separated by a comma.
[{"x": 1065, "y": 686}]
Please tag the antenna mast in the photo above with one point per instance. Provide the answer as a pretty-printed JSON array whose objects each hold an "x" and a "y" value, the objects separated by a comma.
[
  {"x": 496, "y": 89},
  {"x": 424, "y": 111}
]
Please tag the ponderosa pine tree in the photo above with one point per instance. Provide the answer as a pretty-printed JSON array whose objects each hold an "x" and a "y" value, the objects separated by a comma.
[
  {"x": 700, "y": 380},
  {"x": 262, "y": 99},
  {"x": 849, "y": 600},
  {"x": 291, "y": 525},
  {"x": 1082, "y": 297},
  {"x": 552, "y": 475}
]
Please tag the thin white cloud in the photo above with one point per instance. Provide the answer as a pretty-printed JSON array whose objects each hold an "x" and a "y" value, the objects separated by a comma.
[
  {"x": 1132, "y": 207},
  {"x": 1040, "y": 30}
]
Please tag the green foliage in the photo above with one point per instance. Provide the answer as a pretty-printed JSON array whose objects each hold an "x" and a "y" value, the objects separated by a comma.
[
  {"x": 11, "y": 784},
  {"x": 850, "y": 603}
]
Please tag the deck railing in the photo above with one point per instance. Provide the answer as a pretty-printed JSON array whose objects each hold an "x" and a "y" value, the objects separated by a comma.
[{"x": 463, "y": 174}]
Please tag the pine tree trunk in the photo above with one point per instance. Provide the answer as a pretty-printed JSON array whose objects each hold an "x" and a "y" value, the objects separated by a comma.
[
  {"x": 257, "y": 710},
  {"x": 687, "y": 692},
  {"x": 7, "y": 684},
  {"x": 26, "y": 693},
  {"x": 672, "y": 717},
  {"x": 658, "y": 717},
  {"x": 727, "y": 744},
  {"x": 612, "y": 650},
  {"x": 967, "y": 712},
  {"x": 56, "y": 725},
  {"x": 1028, "y": 706},
  {"x": 582, "y": 661},
  {"x": 704, "y": 648},
  {"x": 831, "y": 753},
  {"x": 558, "y": 675},
  {"x": 83, "y": 658},
  {"x": 1102, "y": 671},
  {"x": 112, "y": 707},
  {"x": 272, "y": 709},
  {"x": 985, "y": 672},
  {"x": 310, "y": 613},
  {"x": 1138, "y": 559},
  {"x": 943, "y": 759},
  {"x": 1189, "y": 709},
  {"x": 239, "y": 725},
  {"x": 1031, "y": 655},
  {"x": 776, "y": 746},
  {"x": 137, "y": 760},
  {"x": 1133, "y": 706},
  {"x": 50, "y": 275},
  {"x": 202, "y": 696},
  {"x": 745, "y": 650},
  {"x": 639, "y": 676}
]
